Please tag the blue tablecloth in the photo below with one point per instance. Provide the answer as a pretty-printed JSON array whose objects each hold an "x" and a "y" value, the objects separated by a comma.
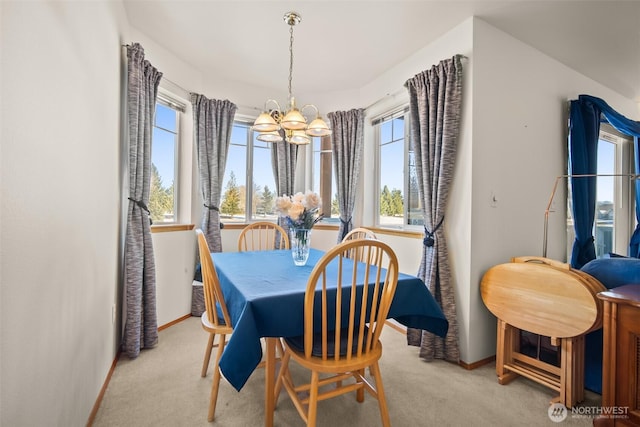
[{"x": 264, "y": 292}]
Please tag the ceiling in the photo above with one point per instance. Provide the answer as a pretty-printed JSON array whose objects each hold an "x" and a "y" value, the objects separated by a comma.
[{"x": 344, "y": 45}]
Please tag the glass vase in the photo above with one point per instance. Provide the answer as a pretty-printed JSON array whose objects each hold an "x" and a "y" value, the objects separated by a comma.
[{"x": 300, "y": 239}]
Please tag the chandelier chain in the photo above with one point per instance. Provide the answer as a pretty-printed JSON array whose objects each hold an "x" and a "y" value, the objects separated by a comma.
[{"x": 290, "y": 57}]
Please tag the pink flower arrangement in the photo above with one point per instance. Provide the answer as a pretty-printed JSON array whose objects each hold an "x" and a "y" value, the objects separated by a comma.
[{"x": 301, "y": 210}]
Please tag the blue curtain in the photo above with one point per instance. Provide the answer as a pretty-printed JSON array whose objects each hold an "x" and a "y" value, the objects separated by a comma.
[
  {"x": 634, "y": 244},
  {"x": 615, "y": 119},
  {"x": 631, "y": 128},
  {"x": 586, "y": 114},
  {"x": 583, "y": 157}
]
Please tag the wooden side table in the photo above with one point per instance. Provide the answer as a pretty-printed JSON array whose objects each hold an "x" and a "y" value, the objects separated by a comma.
[{"x": 621, "y": 357}]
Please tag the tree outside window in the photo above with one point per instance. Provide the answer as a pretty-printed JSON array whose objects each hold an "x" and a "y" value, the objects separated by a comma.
[
  {"x": 248, "y": 166},
  {"x": 399, "y": 203},
  {"x": 164, "y": 158}
]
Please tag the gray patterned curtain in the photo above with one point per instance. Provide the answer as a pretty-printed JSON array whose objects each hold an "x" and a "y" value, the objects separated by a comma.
[
  {"x": 141, "y": 323},
  {"x": 283, "y": 161},
  {"x": 347, "y": 144},
  {"x": 212, "y": 125},
  {"x": 435, "y": 104}
]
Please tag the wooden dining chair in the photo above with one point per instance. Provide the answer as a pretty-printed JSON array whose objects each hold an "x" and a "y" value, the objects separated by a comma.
[
  {"x": 215, "y": 319},
  {"x": 356, "y": 336},
  {"x": 263, "y": 235},
  {"x": 358, "y": 233}
]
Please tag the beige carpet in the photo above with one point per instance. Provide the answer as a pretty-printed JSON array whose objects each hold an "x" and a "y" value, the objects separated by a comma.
[{"x": 163, "y": 387}]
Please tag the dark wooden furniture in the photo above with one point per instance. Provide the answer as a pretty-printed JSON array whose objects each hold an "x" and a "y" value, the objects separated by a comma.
[{"x": 621, "y": 357}]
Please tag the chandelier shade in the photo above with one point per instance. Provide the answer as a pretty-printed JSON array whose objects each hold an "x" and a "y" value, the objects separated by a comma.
[
  {"x": 292, "y": 121},
  {"x": 272, "y": 136},
  {"x": 318, "y": 127},
  {"x": 265, "y": 123},
  {"x": 298, "y": 137}
]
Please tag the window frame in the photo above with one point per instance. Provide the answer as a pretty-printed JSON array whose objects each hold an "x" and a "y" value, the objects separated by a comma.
[
  {"x": 326, "y": 175},
  {"x": 179, "y": 108},
  {"x": 376, "y": 122},
  {"x": 624, "y": 198},
  {"x": 624, "y": 220},
  {"x": 246, "y": 123}
]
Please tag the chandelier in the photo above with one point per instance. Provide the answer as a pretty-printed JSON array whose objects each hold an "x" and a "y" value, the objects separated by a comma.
[{"x": 292, "y": 121}]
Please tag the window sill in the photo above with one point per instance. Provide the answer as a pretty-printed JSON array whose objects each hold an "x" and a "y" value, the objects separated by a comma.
[
  {"x": 324, "y": 226},
  {"x": 233, "y": 225},
  {"x": 241, "y": 225},
  {"x": 397, "y": 232},
  {"x": 171, "y": 227}
]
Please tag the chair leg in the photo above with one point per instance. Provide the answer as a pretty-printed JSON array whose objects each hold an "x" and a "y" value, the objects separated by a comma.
[
  {"x": 280, "y": 348},
  {"x": 313, "y": 400},
  {"x": 216, "y": 379},
  {"x": 207, "y": 355},
  {"x": 382, "y": 402},
  {"x": 284, "y": 370},
  {"x": 360, "y": 391}
]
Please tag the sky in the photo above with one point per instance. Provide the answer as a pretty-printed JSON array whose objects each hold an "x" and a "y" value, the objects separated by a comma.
[
  {"x": 237, "y": 160},
  {"x": 163, "y": 153},
  {"x": 606, "y": 165}
]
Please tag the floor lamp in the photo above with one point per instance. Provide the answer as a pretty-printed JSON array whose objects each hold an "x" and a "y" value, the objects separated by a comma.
[{"x": 553, "y": 193}]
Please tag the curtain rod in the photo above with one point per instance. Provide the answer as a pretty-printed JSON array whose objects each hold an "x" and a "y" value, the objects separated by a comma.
[
  {"x": 189, "y": 92},
  {"x": 393, "y": 95},
  {"x": 547, "y": 211},
  {"x": 194, "y": 93},
  {"x": 388, "y": 95}
]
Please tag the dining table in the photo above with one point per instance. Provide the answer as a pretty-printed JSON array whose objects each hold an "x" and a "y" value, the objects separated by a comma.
[{"x": 264, "y": 292}]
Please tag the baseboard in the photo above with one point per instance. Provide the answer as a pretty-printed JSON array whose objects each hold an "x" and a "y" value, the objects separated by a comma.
[
  {"x": 474, "y": 365},
  {"x": 468, "y": 366},
  {"x": 96, "y": 405},
  {"x": 173, "y": 322}
]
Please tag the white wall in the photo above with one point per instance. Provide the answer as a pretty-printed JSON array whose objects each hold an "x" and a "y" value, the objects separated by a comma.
[
  {"x": 60, "y": 204},
  {"x": 174, "y": 253},
  {"x": 519, "y": 147}
]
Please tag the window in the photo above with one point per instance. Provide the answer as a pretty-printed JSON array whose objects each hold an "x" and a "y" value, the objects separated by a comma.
[
  {"x": 398, "y": 201},
  {"x": 248, "y": 167},
  {"x": 163, "y": 195},
  {"x": 605, "y": 189},
  {"x": 323, "y": 178},
  {"x": 614, "y": 220}
]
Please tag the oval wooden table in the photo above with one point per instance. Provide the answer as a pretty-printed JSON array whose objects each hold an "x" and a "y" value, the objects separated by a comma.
[{"x": 547, "y": 298}]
